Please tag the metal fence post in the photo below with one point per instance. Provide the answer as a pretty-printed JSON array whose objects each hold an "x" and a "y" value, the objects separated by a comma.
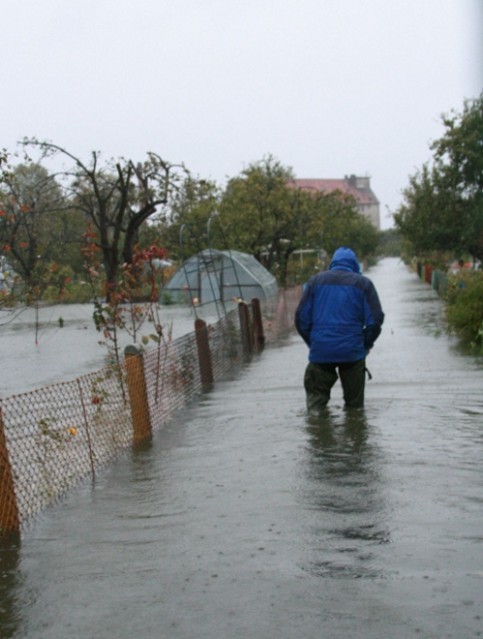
[
  {"x": 204, "y": 354},
  {"x": 138, "y": 394},
  {"x": 9, "y": 516}
]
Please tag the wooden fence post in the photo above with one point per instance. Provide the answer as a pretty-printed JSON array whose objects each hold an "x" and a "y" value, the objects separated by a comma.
[
  {"x": 9, "y": 516},
  {"x": 204, "y": 354},
  {"x": 245, "y": 328},
  {"x": 282, "y": 309},
  {"x": 258, "y": 334},
  {"x": 138, "y": 394}
]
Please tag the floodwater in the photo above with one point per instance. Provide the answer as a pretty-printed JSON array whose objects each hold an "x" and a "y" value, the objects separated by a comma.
[
  {"x": 245, "y": 519},
  {"x": 60, "y": 342}
]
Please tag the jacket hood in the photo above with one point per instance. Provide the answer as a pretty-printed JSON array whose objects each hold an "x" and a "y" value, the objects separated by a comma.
[{"x": 345, "y": 259}]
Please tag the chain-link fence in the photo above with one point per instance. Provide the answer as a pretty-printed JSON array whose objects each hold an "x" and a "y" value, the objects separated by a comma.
[{"x": 56, "y": 436}]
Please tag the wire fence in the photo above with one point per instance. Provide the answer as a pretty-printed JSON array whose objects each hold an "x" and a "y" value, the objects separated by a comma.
[{"x": 54, "y": 437}]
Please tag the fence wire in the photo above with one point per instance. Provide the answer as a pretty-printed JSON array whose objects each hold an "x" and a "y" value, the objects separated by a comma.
[{"x": 56, "y": 436}]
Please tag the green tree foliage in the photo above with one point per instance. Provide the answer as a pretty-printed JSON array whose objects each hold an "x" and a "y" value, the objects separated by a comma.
[
  {"x": 459, "y": 154},
  {"x": 264, "y": 215},
  {"x": 425, "y": 218},
  {"x": 343, "y": 225},
  {"x": 192, "y": 224},
  {"x": 31, "y": 235},
  {"x": 259, "y": 212},
  {"x": 390, "y": 243},
  {"x": 443, "y": 204},
  {"x": 267, "y": 218}
]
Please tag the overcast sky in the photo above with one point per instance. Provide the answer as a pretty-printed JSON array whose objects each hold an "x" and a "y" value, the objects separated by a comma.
[{"x": 328, "y": 87}]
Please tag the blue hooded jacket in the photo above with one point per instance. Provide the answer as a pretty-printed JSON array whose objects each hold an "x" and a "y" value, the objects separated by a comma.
[{"x": 340, "y": 315}]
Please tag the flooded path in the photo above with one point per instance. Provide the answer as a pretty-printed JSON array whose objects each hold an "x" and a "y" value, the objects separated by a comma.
[{"x": 246, "y": 520}]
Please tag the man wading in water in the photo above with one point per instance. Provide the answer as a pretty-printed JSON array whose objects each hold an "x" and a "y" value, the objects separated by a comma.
[{"x": 339, "y": 317}]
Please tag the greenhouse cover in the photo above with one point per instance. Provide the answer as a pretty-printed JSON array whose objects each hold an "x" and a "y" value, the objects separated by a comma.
[{"x": 213, "y": 275}]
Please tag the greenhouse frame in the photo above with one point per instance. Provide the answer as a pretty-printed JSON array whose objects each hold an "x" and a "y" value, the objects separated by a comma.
[{"x": 213, "y": 275}]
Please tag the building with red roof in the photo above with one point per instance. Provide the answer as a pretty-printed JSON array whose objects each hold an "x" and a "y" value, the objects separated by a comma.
[{"x": 357, "y": 187}]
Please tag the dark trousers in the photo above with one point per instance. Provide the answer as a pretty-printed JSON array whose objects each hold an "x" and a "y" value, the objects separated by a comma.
[{"x": 319, "y": 379}]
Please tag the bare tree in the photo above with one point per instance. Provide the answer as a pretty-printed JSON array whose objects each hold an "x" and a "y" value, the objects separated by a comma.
[{"x": 117, "y": 197}]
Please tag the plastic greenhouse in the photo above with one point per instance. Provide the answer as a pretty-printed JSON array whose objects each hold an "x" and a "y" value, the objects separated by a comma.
[{"x": 213, "y": 275}]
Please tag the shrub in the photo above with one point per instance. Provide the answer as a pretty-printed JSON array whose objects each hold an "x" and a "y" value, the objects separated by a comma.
[{"x": 464, "y": 310}]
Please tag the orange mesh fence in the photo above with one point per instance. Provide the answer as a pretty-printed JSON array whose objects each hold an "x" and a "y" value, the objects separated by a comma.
[
  {"x": 172, "y": 377},
  {"x": 225, "y": 344},
  {"x": 59, "y": 434},
  {"x": 279, "y": 314},
  {"x": 172, "y": 371},
  {"x": 53, "y": 437}
]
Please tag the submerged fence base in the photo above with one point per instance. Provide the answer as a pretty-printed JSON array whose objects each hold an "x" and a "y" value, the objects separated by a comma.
[
  {"x": 9, "y": 517},
  {"x": 54, "y": 437}
]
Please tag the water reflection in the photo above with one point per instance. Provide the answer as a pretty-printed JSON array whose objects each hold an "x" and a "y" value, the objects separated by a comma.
[{"x": 344, "y": 494}]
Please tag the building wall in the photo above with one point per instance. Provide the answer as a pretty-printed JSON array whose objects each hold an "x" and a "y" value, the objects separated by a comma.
[
  {"x": 367, "y": 202},
  {"x": 372, "y": 213}
]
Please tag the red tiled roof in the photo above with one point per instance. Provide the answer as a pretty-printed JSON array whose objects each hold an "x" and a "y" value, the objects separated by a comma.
[{"x": 362, "y": 196}]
